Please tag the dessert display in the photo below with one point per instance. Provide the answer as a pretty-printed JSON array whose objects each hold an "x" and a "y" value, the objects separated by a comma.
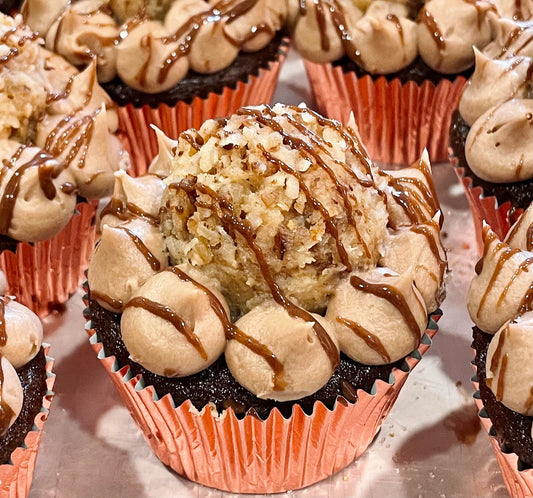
[
  {"x": 500, "y": 304},
  {"x": 399, "y": 66},
  {"x": 59, "y": 151},
  {"x": 492, "y": 130},
  {"x": 265, "y": 276},
  {"x": 25, "y": 394},
  {"x": 173, "y": 63}
]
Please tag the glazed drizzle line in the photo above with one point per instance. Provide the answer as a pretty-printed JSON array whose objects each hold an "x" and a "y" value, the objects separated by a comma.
[
  {"x": 394, "y": 297},
  {"x": 229, "y": 10},
  {"x": 139, "y": 244},
  {"x": 47, "y": 172},
  {"x": 126, "y": 211},
  {"x": 14, "y": 51},
  {"x": 224, "y": 210},
  {"x": 3, "y": 331},
  {"x": 426, "y": 231},
  {"x": 312, "y": 153},
  {"x": 497, "y": 360},
  {"x": 231, "y": 331},
  {"x": 371, "y": 340},
  {"x": 166, "y": 313}
]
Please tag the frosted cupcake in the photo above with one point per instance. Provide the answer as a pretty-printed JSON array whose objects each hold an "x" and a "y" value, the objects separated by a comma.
[
  {"x": 492, "y": 129},
  {"x": 25, "y": 395},
  {"x": 500, "y": 304},
  {"x": 399, "y": 66},
  {"x": 58, "y": 147},
  {"x": 174, "y": 63},
  {"x": 270, "y": 294}
]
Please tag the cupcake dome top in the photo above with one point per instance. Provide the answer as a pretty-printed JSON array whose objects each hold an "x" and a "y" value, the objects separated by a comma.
[
  {"x": 267, "y": 219},
  {"x": 56, "y": 137},
  {"x": 151, "y": 46}
]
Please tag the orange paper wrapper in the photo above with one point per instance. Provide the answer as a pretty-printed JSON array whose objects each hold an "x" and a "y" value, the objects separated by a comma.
[
  {"x": 16, "y": 476},
  {"x": 519, "y": 483},
  {"x": 396, "y": 121},
  {"x": 253, "y": 455},
  {"x": 139, "y": 139},
  {"x": 499, "y": 217},
  {"x": 44, "y": 274}
]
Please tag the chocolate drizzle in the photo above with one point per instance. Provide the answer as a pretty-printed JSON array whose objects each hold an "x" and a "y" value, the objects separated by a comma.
[
  {"x": 233, "y": 332},
  {"x": 234, "y": 225},
  {"x": 166, "y": 313},
  {"x": 394, "y": 297}
]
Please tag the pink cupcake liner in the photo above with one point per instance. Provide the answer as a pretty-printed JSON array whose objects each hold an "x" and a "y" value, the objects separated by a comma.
[
  {"x": 16, "y": 476},
  {"x": 519, "y": 483},
  {"x": 43, "y": 275},
  {"x": 499, "y": 217},
  {"x": 253, "y": 455},
  {"x": 396, "y": 121},
  {"x": 139, "y": 139}
]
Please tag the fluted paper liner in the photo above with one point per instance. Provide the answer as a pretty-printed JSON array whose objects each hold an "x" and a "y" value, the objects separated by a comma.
[
  {"x": 519, "y": 483},
  {"x": 253, "y": 455},
  {"x": 139, "y": 139},
  {"x": 396, "y": 121},
  {"x": 16, "y": 476},
  {"x": 500, "y": 217},
  {"x": 45, "y": 274}
]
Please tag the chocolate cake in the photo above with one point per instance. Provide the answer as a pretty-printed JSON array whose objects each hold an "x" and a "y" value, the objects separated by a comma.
[
  {"x": 512, "y": 429},
  {"x": 33, "y": 379}
]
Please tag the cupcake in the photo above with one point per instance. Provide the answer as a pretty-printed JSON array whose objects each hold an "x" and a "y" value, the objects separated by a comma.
[
  {"x": 399, "y": 66},
  {"x": 500, "y": 304},
  {"x": 260, "y": 301},
  {"x": 492, "y": 130},
  {"x": 172, "y": 63},
  {"x": 58, "y": 153},
  {"x": 25, "y": 396}
]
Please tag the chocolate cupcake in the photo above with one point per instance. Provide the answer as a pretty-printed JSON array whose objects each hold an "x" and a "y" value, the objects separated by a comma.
[
  {"x": 492, "y": 129},
  {"x": 273, "y": 244},
  {"x": 58, "y": 154},
  {"x": 399, "y": 66},
  {"x": 25, "y": 394},
  {"x": 172, "y": 64},
  {"x": 500, "y": 303}
]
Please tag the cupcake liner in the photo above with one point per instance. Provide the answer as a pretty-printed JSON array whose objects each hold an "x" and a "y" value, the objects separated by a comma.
[
  {"x": 16, "y": 476},
  {"x": 519, "y": 483},
  {"x": 252, "y": 455},
  {"x": 396, "y": 121},
  {"x": 139, "y": 139},
  {"x": 43, "y": 275},
  {"x": 499, "y": 217}
]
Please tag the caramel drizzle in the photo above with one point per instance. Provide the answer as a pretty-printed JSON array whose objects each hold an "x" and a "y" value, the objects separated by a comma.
[
  {"x": 47, "y": 172},
  {"x": 513, "y": 36},
  {"x": 6, "y": 412},
  {"x": 233, "y": 332},
  {"x": 3, "y": 332},
  {"x": 481, "y": 11},
  {"x": 312, "y": 154},
  {"x": 116, "y": 304},
  {"x": 506, "y": 254},
  {"x": 166, "y": 313},
  {"x": 522, "y": 267},
  {"x": 63, "y": 136},
  {"x": 195, "y": 142},
  {"x": 429, "y": 21},
  {"x": 14, "y": 51},
  {"x": 529, "y": 238},
  {"x": 139, "y": 244},
  {"x": 371, "y": 340},
  {"x": 394, "y": 297},
  {"x": 394, "y": 19},
  {"x": 224, "y": 9},
  {"x": 56, "y": 96},
  {"x": 233, "y": 224},
  {"x": 501, "y": 377},
  {"x": 529, "y": 402},
  {"x": 432, "y": 242},
  {"x": 127, "y": 211}
]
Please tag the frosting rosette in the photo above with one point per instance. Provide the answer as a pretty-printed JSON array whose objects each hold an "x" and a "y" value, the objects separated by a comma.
[{"x": 265, "y": 281}]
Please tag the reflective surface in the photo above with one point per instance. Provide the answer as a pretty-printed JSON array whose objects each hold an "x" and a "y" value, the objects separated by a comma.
[{"x": 431, "y": 445}]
